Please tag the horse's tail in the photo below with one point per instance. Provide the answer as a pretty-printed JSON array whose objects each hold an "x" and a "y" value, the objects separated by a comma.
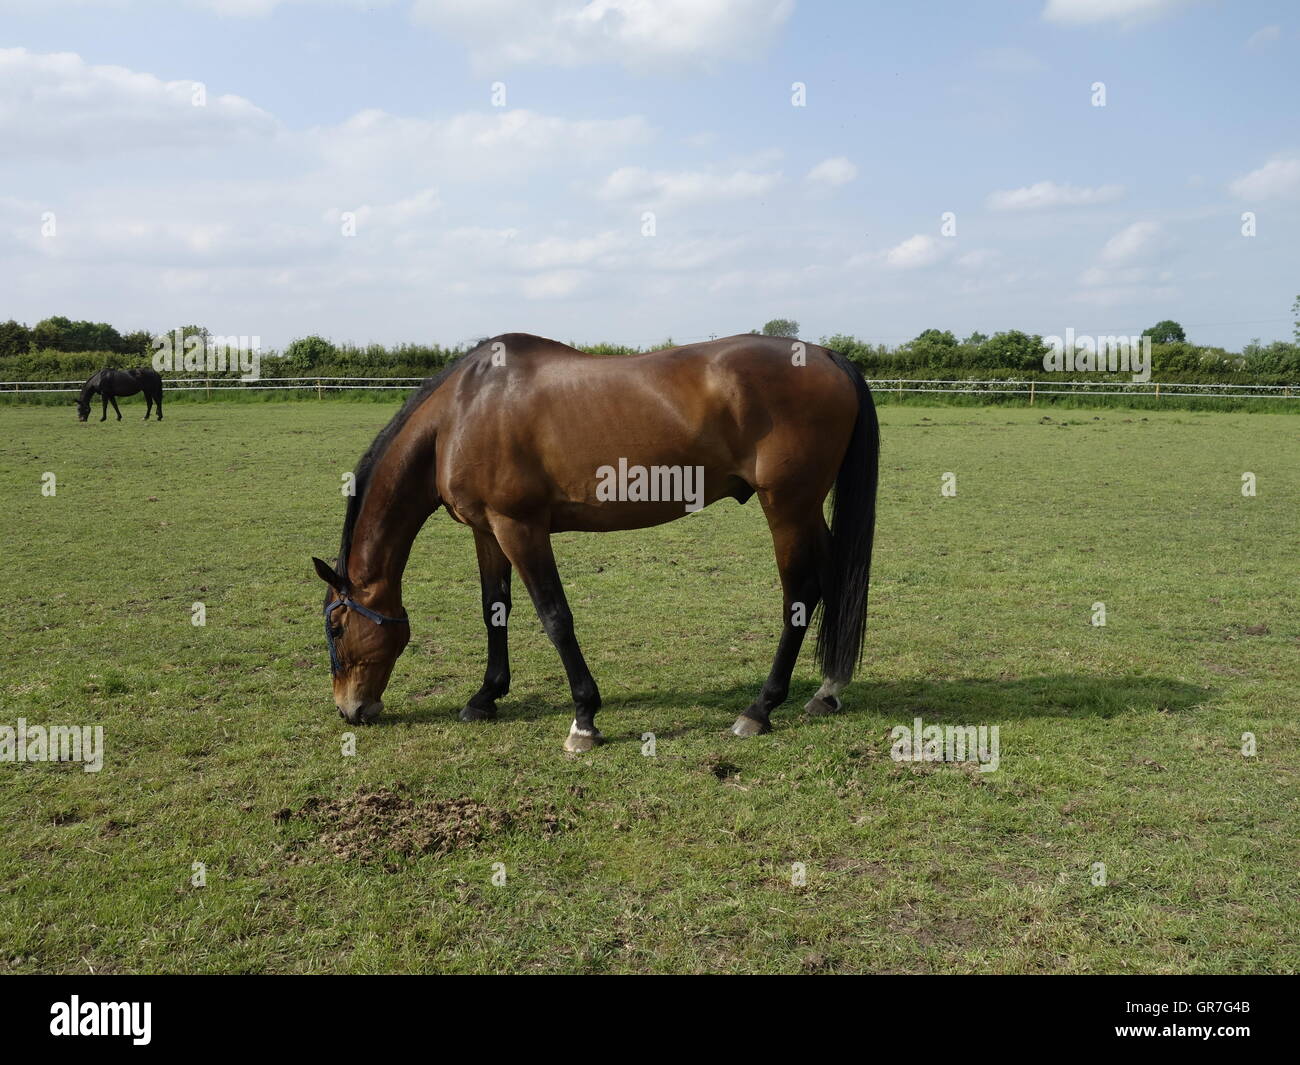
[{"x": 853, "y": 524}]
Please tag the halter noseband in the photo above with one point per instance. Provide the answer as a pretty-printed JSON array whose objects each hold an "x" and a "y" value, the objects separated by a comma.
[{"x": 364, "y": 611}]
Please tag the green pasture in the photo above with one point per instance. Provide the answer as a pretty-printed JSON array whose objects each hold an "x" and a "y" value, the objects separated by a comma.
[{"x": 442, "y": 846}]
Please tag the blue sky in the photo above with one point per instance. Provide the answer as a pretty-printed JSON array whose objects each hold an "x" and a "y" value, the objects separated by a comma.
[{"x": 473, "y": 219}]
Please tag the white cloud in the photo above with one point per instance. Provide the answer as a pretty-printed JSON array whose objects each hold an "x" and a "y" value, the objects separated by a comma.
[
  {"x": 1137, "y": 241},
  {"x": 1048, "y": 194},
  {"x": 1097, "y": 276},
  {"x": 266, "y": 240},
  {"x": 1262, "y": 38},
  {"x": 915, "y": 251},
  {"x": 492, "y": 145},
  {"x": 234, "y": 8},
  {"x": 832, "y": 172},
  {"x": 1126, "y": 12},
  {"x": 683, "y": 187},
  {"x": 556, "y": 284},
  {"x": 978, "y": 259},
  {"x": 56, "y": 104},
  {"x": 1128, "y": 295},
  {"x": 1118, "y": 277},
  {"x": 552, "y": 252},
  {"x": 640, "y": 34},
  {"x": 1275, "y": 180}
]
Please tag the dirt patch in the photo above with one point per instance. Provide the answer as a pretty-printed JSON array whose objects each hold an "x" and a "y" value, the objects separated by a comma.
[
  {"x": 723, "y": 770},
  {"x": 385, "y": 825},
  {"x": 937, "y": 931}
]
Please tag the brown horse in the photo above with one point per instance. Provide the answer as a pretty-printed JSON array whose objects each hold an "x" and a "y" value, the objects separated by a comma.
[{"x": 525, "y": 437}]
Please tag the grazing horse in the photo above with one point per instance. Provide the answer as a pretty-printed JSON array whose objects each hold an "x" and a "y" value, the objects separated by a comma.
[
  {"x": 525, "y": 437},
  {"x": 110, "y": 384}
]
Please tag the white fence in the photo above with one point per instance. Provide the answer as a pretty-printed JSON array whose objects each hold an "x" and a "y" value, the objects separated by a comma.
[{"x": 1032, "y": 389}]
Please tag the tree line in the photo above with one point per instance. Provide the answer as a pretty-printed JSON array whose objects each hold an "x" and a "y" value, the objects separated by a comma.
[{"x": 58, "y": 345}]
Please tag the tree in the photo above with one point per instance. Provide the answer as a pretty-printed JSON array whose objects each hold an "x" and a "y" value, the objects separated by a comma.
[
  {"x": 781, "y": 327},
  {"x": 50, "y": 333},
  {"x": 137, "y": 343},
  {"x": 1012, "y": 350},
  {"x": 1166, "y": 332},
  {"x": 14, "y": 338},
  {"x": 308, "y": 352},
  {"x": 941, "y": 337}
]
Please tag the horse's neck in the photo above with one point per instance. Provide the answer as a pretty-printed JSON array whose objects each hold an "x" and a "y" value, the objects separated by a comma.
[{"x": 398, "y": 501}]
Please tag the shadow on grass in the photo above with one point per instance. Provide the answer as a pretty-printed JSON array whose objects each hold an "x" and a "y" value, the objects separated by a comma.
[{"x": 966, "y": 700}]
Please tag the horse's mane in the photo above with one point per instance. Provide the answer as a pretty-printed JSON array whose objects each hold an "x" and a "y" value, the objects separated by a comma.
[{"x": 375, "y": 452}]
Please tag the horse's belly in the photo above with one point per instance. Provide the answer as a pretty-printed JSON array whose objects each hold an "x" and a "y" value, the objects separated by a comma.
[{"x": 639, "y": 497}]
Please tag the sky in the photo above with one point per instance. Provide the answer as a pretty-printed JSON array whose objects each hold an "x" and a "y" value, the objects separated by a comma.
[{"x": 435, "y": 171}]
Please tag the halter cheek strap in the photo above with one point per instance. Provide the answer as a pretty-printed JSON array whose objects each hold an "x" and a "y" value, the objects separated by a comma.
[{"x": 365, "y": 612}]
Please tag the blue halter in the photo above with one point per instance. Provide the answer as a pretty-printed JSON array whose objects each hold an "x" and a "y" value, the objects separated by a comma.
[{"x": 364, "y": 611}]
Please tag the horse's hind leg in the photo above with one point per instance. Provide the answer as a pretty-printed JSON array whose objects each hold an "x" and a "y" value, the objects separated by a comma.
[
  {"x": 494, "y": 580},
  {"x": 158, "y": 402},
  {"x": 802, "y": 543},
  {"x": 528, "y": 547}
]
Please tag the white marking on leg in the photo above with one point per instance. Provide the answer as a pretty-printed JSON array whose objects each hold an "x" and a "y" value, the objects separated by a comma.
[
  {"x": 830, "y": 689},
  {"x": 575, "y": 731}
]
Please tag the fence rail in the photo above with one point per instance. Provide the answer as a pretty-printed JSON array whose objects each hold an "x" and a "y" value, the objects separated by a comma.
[{"x": 954, "y": 386}]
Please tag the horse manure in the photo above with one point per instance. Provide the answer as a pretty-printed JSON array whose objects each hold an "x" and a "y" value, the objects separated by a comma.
[{"x": 383, "y": 826}]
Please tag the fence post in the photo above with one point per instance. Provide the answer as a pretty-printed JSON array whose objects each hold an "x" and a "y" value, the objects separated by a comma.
[
  {"x": 319, "y": 393},
  {"x": 1031, "y": 393},
  {"x": 1157, "y": 390}
]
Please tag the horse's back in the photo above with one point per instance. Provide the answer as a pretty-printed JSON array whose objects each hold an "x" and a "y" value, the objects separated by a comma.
[
  {"x": 750, "y": 408},
  {"x": 746, "y": 362}
]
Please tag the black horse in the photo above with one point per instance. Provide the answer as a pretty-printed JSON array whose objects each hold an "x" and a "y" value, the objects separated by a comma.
[{"x": 110, "y": 384}]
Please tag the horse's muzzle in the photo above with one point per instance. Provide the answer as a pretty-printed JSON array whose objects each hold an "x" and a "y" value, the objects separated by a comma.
[{"x": 361, "y": 713}]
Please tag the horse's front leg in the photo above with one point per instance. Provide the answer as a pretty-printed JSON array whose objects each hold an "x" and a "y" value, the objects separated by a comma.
[
  {"x": 103, "y": 415},
  {"x": 528, "y": 546},
  {"x": 494, "y": 580},
  {"x": 116, "y": 407},
  {"x": 148, "y": 405}
]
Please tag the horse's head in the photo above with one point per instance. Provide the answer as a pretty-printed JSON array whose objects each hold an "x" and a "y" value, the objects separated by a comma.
[
  {"x": 83, "y": 408},
  {"x": 363, "y": 645}
]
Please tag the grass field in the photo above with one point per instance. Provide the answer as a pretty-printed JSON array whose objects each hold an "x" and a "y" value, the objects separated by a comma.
[{"x": 1120, "y": 744}]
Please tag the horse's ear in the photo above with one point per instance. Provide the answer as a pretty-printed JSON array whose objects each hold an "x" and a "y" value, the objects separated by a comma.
[{"x": 326, "y": 573}]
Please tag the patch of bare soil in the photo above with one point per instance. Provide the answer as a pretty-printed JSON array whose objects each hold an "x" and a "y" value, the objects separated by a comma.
[{"x": 380, "y": 825}]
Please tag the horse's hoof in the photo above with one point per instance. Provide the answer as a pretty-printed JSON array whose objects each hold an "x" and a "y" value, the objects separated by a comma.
[
  {"x": 820, "y": 705},
  {"x": 579, "y": 741},
  {"x": 747, "y": 726},
  {"x": 479, "y": 713}
]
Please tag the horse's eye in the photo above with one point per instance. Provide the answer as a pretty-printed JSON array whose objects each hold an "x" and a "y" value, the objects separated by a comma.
[{"x": 336, "y": 631}]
